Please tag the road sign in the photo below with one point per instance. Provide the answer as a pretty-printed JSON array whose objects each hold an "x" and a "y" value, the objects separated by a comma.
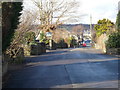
[{"x": 48, "y": 34}]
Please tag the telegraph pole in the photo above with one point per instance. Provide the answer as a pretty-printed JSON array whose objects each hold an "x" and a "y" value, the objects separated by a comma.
[{"x": 91, "y": 25}]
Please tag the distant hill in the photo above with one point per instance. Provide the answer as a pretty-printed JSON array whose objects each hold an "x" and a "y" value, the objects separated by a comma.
[{"x": 69, "y": 27}]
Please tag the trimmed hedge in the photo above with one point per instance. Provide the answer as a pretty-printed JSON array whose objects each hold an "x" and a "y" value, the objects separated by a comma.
[{"x": 10, "y": 20}]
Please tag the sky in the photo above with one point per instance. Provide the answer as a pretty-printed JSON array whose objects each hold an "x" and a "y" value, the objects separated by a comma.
[{"x": 97, "y": 9}]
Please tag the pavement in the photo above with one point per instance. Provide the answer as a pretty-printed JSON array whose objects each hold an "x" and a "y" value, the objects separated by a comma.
[{"x": 67, "y": 68}]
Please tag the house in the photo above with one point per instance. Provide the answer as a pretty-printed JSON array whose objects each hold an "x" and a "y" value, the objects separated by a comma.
[{"x": 87, "y": 34}]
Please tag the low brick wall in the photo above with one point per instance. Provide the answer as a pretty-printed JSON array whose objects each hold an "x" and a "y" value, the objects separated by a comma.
[{"x": 113, "y": 51}]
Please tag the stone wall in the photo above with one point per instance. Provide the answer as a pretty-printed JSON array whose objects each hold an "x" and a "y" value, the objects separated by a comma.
[
  {"x": 101, "y": 45},
  {"x": 4, "y": 64},
  {"x": 7, "y": 61},
  {"x": 38, "y": 49},
  {"x": 113, "y": 51}
]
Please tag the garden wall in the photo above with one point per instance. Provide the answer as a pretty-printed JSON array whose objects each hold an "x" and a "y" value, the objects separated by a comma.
[
  {"x": 7, "y": 62},
  {"x": 38, "y": 49},
  {"x": 113, "y": 51}
]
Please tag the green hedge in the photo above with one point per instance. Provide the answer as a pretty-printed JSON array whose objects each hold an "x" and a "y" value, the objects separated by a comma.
[
  {"x": 114, "y": 40},
  {"x": 29, "y": 37},
  {"x": 10, "y": 20}
]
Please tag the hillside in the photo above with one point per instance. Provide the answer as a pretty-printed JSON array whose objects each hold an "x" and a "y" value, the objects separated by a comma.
[{"x": 69, "y": 27}]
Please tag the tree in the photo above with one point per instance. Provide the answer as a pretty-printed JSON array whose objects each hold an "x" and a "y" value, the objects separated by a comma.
[
  {"x": 60, "y": 34},
  {"x": 26, "y": 22},
  {"x": 118, "y": 21},
  {"x": 103, "y": 26},
  {"x": 53, "y": 13},
  {"x": 10, "y": 20},
  {"x": 113, "y": 40},
  {"x": 78, "y": 30}
]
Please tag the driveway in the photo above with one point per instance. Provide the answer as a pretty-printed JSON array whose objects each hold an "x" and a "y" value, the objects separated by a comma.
[{"x": 67, "y": 68}]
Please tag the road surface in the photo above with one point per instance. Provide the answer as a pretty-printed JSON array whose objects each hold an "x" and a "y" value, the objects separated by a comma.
[{"x": 67, "y": 68}]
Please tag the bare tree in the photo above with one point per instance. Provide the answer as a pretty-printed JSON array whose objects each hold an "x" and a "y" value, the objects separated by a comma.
[
  {"x": 54, "y": 12},
  {"x": 26, "y": 21},
  {"x": 60, "y": 34},
  {"x": 78, "y": 30}
]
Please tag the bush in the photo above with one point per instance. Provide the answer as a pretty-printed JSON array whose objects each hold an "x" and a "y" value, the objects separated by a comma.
[
  {"x": 62, "y": 44},
  {"x": 113, "y": 41},
  {"x": 30, "y": 37},
  {"x": 17, "y": 59},
  {"x": 71, "y": 41},
  {"x": 42, "y": 37}
]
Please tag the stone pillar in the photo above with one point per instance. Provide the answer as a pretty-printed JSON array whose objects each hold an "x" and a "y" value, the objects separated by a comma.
[
  {"x": 43, "y": 47},
  {"x": 33, "y": 50},
  {"x": 50, "y": 43}
]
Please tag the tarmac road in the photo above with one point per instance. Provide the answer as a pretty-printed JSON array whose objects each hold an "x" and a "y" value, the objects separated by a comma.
[{"x": 67, "y": 68}]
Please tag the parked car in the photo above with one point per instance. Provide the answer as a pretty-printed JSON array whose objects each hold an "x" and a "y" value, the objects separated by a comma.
[
  {"x": 88, "y": 43},
  {"x": 84, "y": 44}
]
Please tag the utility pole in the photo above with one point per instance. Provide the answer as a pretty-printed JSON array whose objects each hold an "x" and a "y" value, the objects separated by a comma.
[
  {"x": 118, "y": 6},
  {"x": 91, "y": 25}
]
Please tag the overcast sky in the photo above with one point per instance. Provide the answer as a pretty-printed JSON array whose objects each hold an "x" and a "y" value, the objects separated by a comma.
[{"x": 98, "y": 9}]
